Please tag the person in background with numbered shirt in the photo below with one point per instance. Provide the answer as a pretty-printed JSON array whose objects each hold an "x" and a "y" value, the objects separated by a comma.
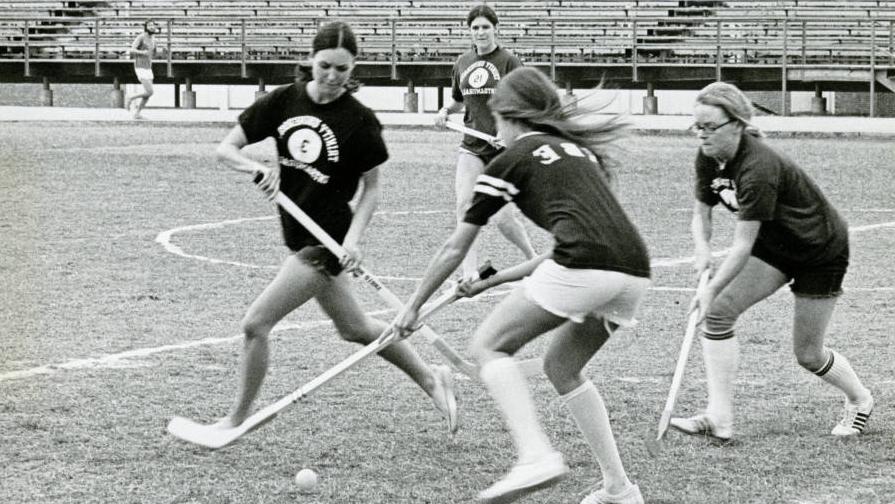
[
  {"x": 590, "y": 283},
  {"x": 142, "y": 50},
  {"x": 473, "y": 79},
  {"x": 787, "y": 232},
  {"x": 328, "y": 144}
]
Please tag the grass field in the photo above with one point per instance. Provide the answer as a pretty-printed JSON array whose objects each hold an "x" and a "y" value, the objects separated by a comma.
[{"x": 127, "y": 258}]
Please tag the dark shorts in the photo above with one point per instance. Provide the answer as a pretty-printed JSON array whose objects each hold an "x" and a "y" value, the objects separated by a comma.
[
  {"x": 815, "y": 281},
  {"x": 317, "y": 257}
]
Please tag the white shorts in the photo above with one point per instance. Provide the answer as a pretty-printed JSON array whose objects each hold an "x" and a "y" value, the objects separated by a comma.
[
  {"x": 578, "y": 293},
  {"x": 144, "y": 73}
]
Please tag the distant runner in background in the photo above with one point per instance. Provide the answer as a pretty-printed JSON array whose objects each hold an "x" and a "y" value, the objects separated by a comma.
[
  {"x": 474, "y": 77},
  {"x": 142, "y": 51}
]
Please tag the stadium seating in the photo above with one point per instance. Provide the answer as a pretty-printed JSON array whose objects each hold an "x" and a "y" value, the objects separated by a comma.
[{"x": 808, "y": 32}]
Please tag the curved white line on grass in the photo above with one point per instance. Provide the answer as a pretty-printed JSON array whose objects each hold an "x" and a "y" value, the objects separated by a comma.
[
  {"x": 164, "y": 238},
  {"x": 114, "y": 360}
]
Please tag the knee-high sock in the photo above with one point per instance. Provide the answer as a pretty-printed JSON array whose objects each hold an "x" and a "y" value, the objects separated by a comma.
[
  {"x": 837, "y": 371},
  {"x": 721, "y": 353},
  {"x": 589, "y": 411},
  {"x": 507, "y": 386}
]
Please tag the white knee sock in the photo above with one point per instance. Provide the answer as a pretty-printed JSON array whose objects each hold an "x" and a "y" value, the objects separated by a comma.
[
  {"x": 722, "y": 358},
  {"x": 837, "y": 371},
  {"x": 507, "y": 386},
  {"x": 589, "y": 412}
]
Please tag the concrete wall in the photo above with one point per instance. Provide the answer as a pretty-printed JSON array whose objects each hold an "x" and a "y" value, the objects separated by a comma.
[{"x": 392, "y": 98}]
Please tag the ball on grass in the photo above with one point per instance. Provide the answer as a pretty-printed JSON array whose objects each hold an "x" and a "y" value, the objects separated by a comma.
[{"x": 306, "y": 480}]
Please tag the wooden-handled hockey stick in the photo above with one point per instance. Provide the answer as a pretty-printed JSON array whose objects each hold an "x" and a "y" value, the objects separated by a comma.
[{"x": 654, "y": 446}]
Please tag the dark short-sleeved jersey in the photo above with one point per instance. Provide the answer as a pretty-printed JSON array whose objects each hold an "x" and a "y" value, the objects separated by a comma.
[
  {"x": 473, "y": 79},
  {"x": 144, "y": 42},
  {"x": 562, "y": 188},
  {"x": 798, "y": 223},
  {"x": 323, "y": 152}
]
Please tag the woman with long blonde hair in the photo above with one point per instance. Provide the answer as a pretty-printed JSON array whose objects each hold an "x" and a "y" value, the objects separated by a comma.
[{"x": 589, "y": 284}]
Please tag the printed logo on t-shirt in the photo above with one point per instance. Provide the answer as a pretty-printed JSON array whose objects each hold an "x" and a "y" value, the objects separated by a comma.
[
  {"x": 726, "y": 190},
  {"x": 308, "y": 141},
  {"x": 479, "y": 75}
]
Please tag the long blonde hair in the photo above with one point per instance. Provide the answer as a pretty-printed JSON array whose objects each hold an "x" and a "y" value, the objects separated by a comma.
[{"x": 527, "y": 95}]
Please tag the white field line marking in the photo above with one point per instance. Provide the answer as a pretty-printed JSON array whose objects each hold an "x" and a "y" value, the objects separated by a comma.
[
  {"x": 117, "y": 359},
  {"x": 112, "y": 360},
  {"x": 164, "y": 239}
]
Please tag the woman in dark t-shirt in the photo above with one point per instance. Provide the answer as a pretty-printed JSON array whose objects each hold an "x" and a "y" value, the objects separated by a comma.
[
  {"x": 328, "y": 144},
  {"x": 474, "y": 77},
  {"x": 592, "y": 281},
  {"x": 786, "y": 232}
]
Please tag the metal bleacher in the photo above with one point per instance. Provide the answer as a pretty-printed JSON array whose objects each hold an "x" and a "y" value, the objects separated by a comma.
[{"x": 559, "y": 33}]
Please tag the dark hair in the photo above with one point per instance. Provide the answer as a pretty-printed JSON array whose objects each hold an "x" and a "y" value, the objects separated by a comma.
[
  {"x": 526, "y": 95},
  {"x": 330, "y": 36},
  {"x": 334, "y": 35},
  {"x": 481, "y": 11},
  {"x": 146, "y": 24}
]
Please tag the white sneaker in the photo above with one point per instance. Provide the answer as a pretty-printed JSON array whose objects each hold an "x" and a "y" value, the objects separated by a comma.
[
  {"x": 526, "y": 478},
  {"x": 854, "y": 420},
  {"x": 703, "y": 425},
  {"x": 631, "y": 495},
  {"x": 444, "y": 397}
]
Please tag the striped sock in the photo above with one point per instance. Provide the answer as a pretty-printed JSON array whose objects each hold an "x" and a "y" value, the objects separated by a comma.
[{"x": 837, "y": 371}]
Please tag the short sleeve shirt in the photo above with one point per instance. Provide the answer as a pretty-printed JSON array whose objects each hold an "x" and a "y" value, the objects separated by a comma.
[
  {"x": 474, "y": 78},
  {"x": 562, "y": 188},
  {"x": 323, "y": 151},
  {"x": 144, "y": 42},
  {"x": 798, "y": 223}
]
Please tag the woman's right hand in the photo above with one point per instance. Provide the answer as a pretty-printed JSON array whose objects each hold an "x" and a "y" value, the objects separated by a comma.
[
  {"x": 441, "y": 117},
  {"x": 269, "y": 183}
]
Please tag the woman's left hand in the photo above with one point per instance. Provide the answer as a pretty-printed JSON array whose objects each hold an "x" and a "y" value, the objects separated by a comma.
[{"x": 471, "y": 287}]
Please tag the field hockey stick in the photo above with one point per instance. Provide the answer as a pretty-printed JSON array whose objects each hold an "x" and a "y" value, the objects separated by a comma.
[
  {"x": 211, "y": 436},
  {"x": 529, "y": 367},
  {"x": 454, "y": 358},
  {"x": 491, "y": 139},
  {"x": 654, "y": 446}
]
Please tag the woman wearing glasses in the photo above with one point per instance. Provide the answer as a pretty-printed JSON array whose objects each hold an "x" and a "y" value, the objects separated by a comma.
[{"x": 787, "y": 232}]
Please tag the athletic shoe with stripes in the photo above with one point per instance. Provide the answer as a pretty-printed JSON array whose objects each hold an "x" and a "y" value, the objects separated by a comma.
[
  {"x": 703, "y": 425},
  {"x": 854, "y": 420},
  {"x": 630, "y": 495}
]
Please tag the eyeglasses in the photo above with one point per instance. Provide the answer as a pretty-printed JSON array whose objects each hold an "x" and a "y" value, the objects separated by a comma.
[{"x": 699, "y": 129}]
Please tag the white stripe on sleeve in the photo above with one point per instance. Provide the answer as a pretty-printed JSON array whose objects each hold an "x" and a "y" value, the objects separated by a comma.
[
  {"x": 492, "y": 191},
  {"x": 497, "y": 183}
]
